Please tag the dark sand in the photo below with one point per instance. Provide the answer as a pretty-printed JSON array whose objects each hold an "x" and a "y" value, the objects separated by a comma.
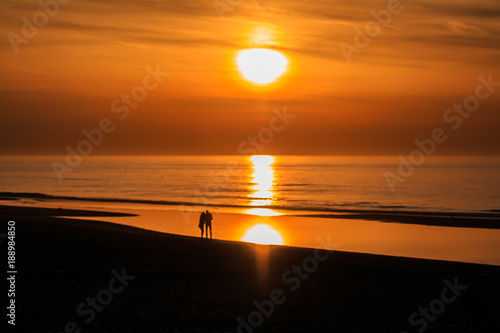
[{"x": 185, "y": 284}]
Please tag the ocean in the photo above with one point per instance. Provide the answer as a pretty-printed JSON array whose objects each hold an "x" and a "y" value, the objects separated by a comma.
[{"x": 316, "y": 183}]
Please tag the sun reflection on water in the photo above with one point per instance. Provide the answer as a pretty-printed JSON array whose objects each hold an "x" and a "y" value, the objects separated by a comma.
[
  {"x": 262, "y": 212},
  {"x": 263, "y": 234},
  {"x": 263, "y": 180}
]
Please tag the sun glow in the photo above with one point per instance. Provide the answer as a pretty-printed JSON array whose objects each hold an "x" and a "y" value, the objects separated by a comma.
[
  {"x": 263, "y": 234},
  {"x": 261, "y": 66}
]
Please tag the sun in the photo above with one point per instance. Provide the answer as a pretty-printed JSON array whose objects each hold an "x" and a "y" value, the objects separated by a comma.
[
  {"x": 261, "y": 66},
  {"x": 263, "y": 234}
]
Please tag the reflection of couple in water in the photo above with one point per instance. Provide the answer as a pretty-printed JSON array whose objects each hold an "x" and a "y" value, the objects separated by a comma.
[{"x": 206, "y": 222}]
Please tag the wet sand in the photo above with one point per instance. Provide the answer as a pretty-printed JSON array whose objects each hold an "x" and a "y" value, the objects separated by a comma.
[
  {"x": 441, "y": 220},
  {"x": 185, "y": 284}
]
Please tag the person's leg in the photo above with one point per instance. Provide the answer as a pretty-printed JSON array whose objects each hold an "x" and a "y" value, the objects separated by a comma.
[
  {"x": 210, "y": 231},
  {"x": 206, "y": 230},
  {"x": 201, "y": 232}
]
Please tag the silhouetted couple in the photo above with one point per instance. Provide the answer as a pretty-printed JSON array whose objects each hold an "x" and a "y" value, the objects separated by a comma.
[{"x": 206, "y": 222}]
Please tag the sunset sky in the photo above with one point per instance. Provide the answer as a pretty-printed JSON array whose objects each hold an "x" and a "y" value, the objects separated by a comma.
[{"x": 66, "y": 76}]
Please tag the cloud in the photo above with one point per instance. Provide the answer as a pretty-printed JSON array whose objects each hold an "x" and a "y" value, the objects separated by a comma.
[
  {"x": 465, "y": 29},
  {"x": 487, "y": 9}
]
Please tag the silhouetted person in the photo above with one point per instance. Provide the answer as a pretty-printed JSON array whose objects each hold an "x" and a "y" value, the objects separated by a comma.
[
  {"x": 208, "y": 224},
  {"x": 201, "y": 225}
]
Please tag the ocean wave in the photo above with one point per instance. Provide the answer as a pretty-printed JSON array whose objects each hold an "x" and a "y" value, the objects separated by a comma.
[{"x": 321, "y": 208}]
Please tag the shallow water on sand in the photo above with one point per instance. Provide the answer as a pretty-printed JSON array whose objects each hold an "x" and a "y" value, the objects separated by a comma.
[{"x": 353, "y": 235}]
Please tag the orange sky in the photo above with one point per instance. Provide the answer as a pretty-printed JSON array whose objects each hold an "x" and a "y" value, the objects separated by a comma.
[{"x": 65, "y": 78}]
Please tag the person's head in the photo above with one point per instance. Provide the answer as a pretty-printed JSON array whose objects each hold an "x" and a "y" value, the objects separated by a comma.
[{"x": 207, "y": 211}]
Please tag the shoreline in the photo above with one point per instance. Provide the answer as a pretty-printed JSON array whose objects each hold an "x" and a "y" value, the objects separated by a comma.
[
  {"x": 70, "y": 215},
  {"x": 407, "y": 236}
]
